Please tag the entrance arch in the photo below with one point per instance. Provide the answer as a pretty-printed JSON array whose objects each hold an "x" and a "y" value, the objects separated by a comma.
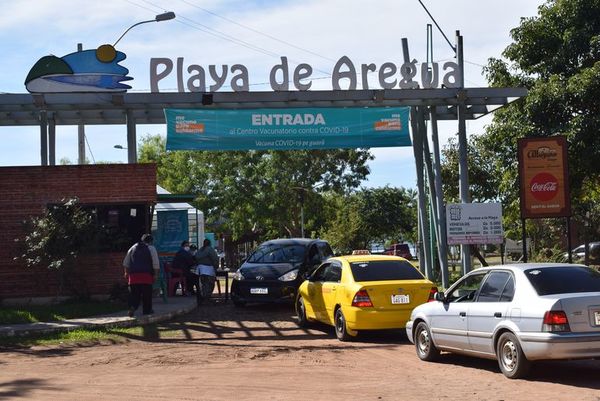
[{"x": 433, "y": 105}]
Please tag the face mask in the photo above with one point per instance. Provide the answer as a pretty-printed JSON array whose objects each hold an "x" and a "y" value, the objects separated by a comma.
[{"x": 187, "y": 248}]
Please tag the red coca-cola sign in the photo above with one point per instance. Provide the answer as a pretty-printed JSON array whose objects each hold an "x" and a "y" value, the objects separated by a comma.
[
  {"x": 544, "y": 177},
  {"x": 543, "y": 186}
]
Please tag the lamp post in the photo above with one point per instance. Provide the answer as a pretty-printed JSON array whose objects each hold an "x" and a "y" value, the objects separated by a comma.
[
  {"x": 160, "y": 17},
  {"x": 130, "y": 120},
  {"x": 119, "y": 147},
  {"x": 302, "y": 192}
]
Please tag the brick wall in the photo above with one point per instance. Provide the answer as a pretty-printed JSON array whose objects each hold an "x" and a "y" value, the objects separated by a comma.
[{"x": 25, "y": 192}]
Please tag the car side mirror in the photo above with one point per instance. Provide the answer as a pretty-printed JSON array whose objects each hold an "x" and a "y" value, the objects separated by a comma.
[{"x": 439, "y": 296}]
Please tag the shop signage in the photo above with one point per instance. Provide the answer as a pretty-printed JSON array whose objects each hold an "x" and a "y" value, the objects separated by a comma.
[
  {"x": 284, "y": 77},
  {"x": 99, "y": 70},
  {"x": 474, "y": 223},
  {"x": 544, "y": 177},
  {"x": 286, "y": 129}
]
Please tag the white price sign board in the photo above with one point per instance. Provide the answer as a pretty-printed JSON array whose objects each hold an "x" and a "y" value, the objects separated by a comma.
[{"x": 474, "y": 223}]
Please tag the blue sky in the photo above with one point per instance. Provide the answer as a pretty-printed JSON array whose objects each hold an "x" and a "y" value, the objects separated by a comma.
[{"x": 252, "y": 33}]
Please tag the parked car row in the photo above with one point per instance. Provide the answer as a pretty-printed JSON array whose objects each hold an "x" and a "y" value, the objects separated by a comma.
[
  {"x": 362, "y": 292},
  {"x": 274, "y": 271},
  {"x": 516, "y": 314}
]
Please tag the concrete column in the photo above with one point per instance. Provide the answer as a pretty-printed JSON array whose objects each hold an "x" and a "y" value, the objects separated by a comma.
[
  {"x": 465, "y": 250},
  {"x": 424, "y": 255},
  {"x": 439, "y": 202},
  {"x": 131, "y": 138},
  {"x": 426, "y": 160},
  {"x": 52, "y": 140},
  {"x": 44, "y": 137}
]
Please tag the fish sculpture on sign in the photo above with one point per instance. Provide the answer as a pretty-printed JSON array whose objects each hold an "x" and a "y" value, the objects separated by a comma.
[{"x": 93, "y": 70}]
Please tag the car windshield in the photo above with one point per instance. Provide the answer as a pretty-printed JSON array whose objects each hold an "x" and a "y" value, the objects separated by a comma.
[
  {"x": 277, "y": 253},
  {"x": 383, "y": 270},
  {"x": 564, "y": 280}
]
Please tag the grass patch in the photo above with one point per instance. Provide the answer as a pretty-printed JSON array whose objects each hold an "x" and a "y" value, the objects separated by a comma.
[
  {"x": 113, "y": 335},
  {"x": 62, "y": 311}
]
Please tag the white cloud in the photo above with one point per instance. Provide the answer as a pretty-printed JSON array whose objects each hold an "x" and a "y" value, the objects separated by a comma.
[{"x": 327, "y": 29}]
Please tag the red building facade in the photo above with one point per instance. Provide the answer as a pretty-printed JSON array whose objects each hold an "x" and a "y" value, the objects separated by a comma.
[{"x": 122, "y": 196}]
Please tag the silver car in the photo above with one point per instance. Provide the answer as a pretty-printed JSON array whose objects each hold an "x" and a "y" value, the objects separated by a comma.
[{"x": 515, "y": 314}]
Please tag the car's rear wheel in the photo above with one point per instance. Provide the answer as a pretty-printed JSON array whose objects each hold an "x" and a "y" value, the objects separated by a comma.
[
  {"x": 511, "y": 359},
  {"x": 426, "y": 349},
  {"x": 301, "y": 312},
  {"x": 341, "y": 329}
]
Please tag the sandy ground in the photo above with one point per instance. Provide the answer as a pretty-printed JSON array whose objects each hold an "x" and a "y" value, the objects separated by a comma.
[{"x": 258, "y": 353}]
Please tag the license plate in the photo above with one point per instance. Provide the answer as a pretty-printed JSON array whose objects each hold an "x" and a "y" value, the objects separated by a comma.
[
  {"x": 597, "y": 318},
  {"x": 400, "y": 299},
  {"x": 259, "y": 290}
]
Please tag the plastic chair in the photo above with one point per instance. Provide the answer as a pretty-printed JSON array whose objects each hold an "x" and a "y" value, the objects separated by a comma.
[{"x": 174, "y": 277}]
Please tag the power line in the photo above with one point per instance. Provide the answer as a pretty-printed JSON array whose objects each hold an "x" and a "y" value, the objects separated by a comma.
[
  {"x": 225, "y": 86},
  {"x": 258, "y": 32},
  {"x": 436, "y": 24},
  {"x": 222, "y": 35}
]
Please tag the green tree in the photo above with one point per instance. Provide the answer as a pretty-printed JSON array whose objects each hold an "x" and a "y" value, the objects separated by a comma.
[
  {"x": 372, "y": 215},
  {"x": 56, "y": 239},
  {"x": 258, "y": 191},
  {"x": 482, "y": 166},
  {"x": 556, "y": 55}
]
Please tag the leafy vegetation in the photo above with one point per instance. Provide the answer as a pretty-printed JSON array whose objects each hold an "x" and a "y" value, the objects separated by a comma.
[
  {"x": 85, "y": 336},
  {"x": 556, "y": 55},
  {"x": 371, "y": 215},
  {"x": 56, "y": 239},
  {"x": 62, "y": 311},
  {"x": 263, "y": 194}
]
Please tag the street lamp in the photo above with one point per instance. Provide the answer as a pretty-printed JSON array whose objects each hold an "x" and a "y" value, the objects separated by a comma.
[
  {"x": 301, "y": 192},
  {"x": 160, "y": 17},
  {"x": 119, "y": 147}
]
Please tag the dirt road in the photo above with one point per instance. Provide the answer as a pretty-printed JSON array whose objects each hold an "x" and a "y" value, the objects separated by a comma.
[{"x": 258, "y": 353}]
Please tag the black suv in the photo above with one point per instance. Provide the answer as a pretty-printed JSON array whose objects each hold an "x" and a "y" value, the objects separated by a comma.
[{"x": 274, "y": 271}]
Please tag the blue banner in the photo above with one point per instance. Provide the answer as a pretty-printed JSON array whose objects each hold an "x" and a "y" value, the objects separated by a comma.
[
  {"x": 172, "y": 230},
  {"x": 286, "y": 129}
]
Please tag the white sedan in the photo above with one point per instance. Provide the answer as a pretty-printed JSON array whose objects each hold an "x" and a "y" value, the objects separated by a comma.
[{"x": 515, "y": 314}]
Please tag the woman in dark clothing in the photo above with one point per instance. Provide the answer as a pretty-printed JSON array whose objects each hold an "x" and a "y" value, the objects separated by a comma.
[
  {"x": 184, "y": 261},
  {"x": 208, "y": 262}
]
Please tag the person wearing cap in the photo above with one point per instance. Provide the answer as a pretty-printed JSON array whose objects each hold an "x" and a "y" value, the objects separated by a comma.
[{"x": 141, "y": 266}]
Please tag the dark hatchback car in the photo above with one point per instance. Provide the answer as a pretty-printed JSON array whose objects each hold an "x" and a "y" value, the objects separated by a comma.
[
  {"x": 401, "y": 250},
  {"x": 275, "y": 270}
]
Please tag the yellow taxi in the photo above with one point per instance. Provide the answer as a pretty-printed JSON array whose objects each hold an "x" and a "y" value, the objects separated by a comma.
[{"x": 362, "y": 292}]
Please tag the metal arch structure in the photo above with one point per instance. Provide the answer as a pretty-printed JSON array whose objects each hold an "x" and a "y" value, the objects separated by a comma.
[
  {"x": 147, "y": 108},
  {"x": 458, "y": 104}
]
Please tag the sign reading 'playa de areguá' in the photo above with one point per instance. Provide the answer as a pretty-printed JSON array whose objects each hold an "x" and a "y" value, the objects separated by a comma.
[{"x": 286, "y": 129}]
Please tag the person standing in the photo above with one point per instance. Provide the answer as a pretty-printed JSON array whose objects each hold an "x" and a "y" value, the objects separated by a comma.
[
  {"x": 141, "y": 267},
  {"x": 184, "y": 261},
  {"x": 208, "y": 261}
]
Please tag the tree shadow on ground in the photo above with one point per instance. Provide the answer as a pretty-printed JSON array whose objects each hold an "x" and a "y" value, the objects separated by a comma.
[
  {"x": 222, "y": 324},
  {"x": 583, "y": 373},
  {"x": 22, "y": 388}
]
